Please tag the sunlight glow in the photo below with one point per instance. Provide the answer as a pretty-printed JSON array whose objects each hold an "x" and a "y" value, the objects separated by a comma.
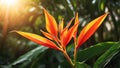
[{"x": 9, "y": 2}]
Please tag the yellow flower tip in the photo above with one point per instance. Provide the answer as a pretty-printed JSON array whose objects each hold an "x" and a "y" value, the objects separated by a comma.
[
  {"x": 13, "y": 31},
  {"x": 41, "y": 30},
  {"x": 76, "y": 14},
  {"x": 106, "y": 14},
  {"x": 44, "y": 9},
  {"x": 61, "y": 25}
]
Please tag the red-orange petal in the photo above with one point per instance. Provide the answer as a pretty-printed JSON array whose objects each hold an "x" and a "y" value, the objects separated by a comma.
[
  {"x": 64, "y": 32},
  {"x": 89, "y": 29},
  {"x": 63, "y": 37},
  {"x": 38, "y": 39},
  {"x": 76, "y": 21},
  {"x": 69, "y": 34},
  {"x": 51, "y": 24},
  {"x": 67, "y": 26},
  {"x": 69, "y": 23},
  {"x": 49, "y": 36}
]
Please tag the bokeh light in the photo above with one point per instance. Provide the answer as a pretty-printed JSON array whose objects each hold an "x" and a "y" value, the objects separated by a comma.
[{"x": 8, "y": 2}]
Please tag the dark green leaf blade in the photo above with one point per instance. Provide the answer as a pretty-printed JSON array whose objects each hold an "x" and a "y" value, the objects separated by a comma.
[
  {"x": 94, "y": 51},
  {"x": 107, "y": 56},
  {"x": 30, "y": 56},
  {"x": 66, "y": 64},
  {"x": 82, "y": 65}
]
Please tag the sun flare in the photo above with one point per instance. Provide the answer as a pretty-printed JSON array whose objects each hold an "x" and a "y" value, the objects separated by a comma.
[{"x": 8, "y": 2}]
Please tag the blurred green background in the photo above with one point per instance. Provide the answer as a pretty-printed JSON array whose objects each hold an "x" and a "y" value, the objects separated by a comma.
[{"x": 27, "y": 15}]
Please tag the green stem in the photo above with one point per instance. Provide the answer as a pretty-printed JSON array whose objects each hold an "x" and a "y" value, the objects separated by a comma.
[
  {"x": 68, "y": 58},
  {"x": 75, "y": 52},
  {"x": 75, "y": 55}
]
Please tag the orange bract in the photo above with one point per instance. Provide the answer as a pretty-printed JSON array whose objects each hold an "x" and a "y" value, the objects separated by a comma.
[
  {"x": 76, "y": 21},
  {"x": 69, "y": 34},
  {"x": 38, "y": 39},
  {"x": 51, "y": 24},
  {"x": 49, "y": 36},
  {"x": 89, "y": 29}
]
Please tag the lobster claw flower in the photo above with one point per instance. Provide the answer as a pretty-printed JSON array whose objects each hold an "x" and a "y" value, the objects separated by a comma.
[
  {"x": 89, "y": 29},
  {"x": 52, "y": 33},
  {"x": 58, "y": 36}
]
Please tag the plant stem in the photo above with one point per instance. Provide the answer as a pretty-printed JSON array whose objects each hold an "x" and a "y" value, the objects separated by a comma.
[
  {"x": 75, "y": 52},
  {"x": 68, "y": 58},
  {"x": 75, "y": 55}
]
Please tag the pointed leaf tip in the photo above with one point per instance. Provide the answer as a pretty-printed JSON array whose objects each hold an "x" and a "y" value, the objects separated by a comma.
[{"x": 89, "y": 29}]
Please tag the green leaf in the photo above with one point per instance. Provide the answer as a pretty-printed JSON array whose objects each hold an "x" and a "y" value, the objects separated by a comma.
[
  {"x": 94, "y": 51},
  {"x": 102, "y": 4},
  {"x": 107, "y": 56},
  {"x": 70, "y": 48},
  {"x": 27, "y": 58},
  {"x": 82, "y": 65},
  {"x": 66, "y": 64}
]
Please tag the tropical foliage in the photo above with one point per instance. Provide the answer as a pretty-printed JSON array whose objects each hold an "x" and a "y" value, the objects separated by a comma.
[{"x": 98, "y": 50}]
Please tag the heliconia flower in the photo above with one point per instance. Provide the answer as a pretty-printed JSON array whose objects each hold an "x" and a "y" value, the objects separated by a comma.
[
  {"x": 58, "y": 36},
  {"x": 89, "y": 29},
  {"x": 64, "y": 37}
]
